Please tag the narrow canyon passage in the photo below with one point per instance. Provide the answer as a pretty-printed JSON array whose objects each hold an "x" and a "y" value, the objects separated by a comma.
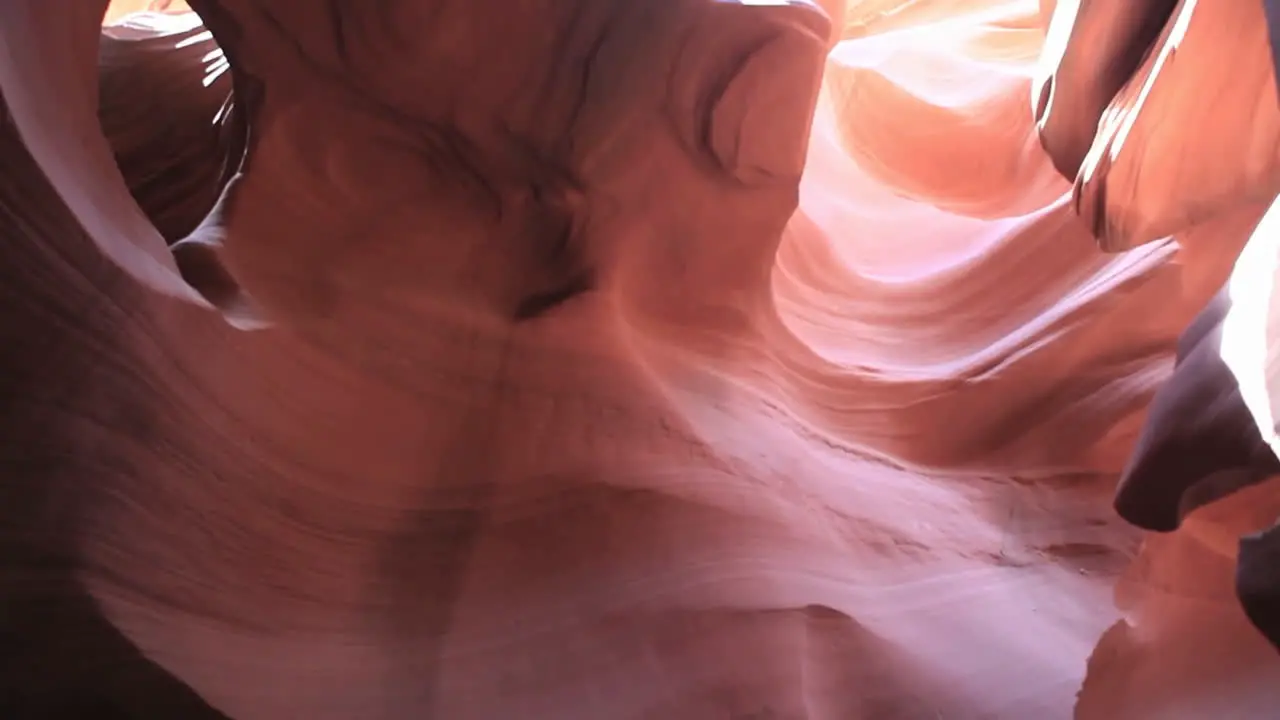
[{"x": 815, "y": 409}]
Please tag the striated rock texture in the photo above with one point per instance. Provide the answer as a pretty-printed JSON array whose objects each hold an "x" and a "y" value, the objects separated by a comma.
[
  {"x": 1181, "y": 139},
  {"x": 685, "y": 359}
]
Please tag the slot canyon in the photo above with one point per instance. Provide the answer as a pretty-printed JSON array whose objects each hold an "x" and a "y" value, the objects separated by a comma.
[{"x": 639, "y": 360}]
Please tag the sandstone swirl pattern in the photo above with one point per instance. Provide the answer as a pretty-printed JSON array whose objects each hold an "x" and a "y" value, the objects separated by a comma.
[{"x": 585, "y": 403}]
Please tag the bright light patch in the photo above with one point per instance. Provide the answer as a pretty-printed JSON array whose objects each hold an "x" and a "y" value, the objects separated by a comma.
[{"x": 1244, "y": 331}]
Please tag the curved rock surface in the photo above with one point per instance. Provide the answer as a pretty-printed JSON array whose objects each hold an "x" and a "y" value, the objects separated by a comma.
[
  {"x": 683, "y": 359},
  {"x": 1211, "y": 429}
]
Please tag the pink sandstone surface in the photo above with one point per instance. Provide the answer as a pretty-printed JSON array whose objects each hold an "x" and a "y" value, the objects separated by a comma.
[{"x": 599, "y": 360}]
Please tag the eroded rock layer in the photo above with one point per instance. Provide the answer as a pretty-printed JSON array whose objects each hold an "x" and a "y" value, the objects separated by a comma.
[{"x": 552, "y": 388}]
